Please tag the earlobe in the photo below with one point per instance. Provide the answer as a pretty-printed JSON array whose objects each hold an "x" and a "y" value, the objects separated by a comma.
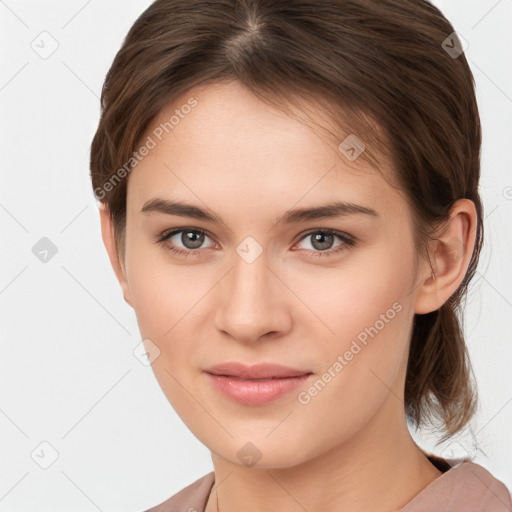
[
  {"x": 107, "y": 233},
  {"x": 450, "y": 254}
]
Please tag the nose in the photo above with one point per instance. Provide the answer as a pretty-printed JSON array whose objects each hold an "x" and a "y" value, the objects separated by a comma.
[{"x": 252, "y": 302}]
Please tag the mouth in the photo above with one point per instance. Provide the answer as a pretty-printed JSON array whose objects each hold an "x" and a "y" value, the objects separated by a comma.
[{"x": 255, "y": 385}]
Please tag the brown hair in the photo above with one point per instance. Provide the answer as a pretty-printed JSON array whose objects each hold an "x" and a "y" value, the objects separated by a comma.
[{"x": 357, "y": 60}]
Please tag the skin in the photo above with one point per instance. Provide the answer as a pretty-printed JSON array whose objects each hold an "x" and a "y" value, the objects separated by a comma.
[{"x": 247, "y": 162}]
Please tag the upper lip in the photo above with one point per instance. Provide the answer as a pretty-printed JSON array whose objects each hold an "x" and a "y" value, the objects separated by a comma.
[{"x": 257, "y": 371}]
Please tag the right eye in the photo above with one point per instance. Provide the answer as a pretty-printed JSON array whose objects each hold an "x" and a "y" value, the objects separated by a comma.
[{"x": 190, "y": 238}]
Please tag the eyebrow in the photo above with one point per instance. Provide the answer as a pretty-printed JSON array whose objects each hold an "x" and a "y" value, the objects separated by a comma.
[{"x": 330, "y": 210}]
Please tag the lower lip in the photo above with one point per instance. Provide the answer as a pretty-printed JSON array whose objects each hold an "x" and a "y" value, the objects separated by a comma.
[{"x": 255, "y": 392}]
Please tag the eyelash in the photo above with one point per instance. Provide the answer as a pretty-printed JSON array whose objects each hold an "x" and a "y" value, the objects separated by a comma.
[{"x": 348, "y": 241}]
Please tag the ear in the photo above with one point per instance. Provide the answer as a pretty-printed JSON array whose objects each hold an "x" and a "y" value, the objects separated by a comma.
[
  {"x": 107, "y": 233},
  {"x": 450, "y": 254}
]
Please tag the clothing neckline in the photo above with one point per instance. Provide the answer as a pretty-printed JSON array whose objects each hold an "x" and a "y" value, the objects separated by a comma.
[
  {"x": 439, "y": 462},
  {"x": 443, "y": 492}
]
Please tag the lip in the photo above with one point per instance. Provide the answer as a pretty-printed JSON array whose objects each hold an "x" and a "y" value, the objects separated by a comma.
[
  {"x": 257, "y": 371},
  {"x": 255, "y": 385}
]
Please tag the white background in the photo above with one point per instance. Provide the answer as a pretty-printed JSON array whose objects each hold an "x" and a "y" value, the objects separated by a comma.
[{"x": 68, "y": 375}]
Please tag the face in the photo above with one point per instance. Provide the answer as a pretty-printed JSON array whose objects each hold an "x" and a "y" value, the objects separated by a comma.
[{"x": 331, "y": 296}]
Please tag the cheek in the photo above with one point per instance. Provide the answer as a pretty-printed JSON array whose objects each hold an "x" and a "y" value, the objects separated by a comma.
[
  {"x": 162, "y": 291},
  {"x": 366, "y": 313},
  {"x": 164, "y": 299},
  {"x": 352, "y": 297},
  {"x": 169, "y": 302},
  {"x": 362, "y": 366}
]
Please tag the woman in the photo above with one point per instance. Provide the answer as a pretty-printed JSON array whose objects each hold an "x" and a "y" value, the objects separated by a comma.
[{"x": 290, "y": 203}]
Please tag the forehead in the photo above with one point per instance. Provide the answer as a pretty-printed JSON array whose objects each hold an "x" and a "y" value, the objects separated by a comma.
[{"x": 230, "y": 145}]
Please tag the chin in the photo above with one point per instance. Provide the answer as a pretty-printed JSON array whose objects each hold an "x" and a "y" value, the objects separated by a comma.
[{"x": 278, "y": 453}]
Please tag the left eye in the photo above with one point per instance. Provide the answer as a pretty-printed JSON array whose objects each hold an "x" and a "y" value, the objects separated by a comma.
[{"x": 320, "y": 240}]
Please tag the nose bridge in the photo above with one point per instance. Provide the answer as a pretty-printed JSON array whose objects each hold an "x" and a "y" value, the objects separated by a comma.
[
  {"x": 250, "y": 286},
  {"x": 252, "y": 304}
]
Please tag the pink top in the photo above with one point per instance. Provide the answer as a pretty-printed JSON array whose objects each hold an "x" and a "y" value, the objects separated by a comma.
[{"x": 464, "y": 486}]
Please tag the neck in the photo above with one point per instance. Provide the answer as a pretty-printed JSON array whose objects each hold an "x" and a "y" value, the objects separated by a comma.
[{"x": 379, "y": 469}]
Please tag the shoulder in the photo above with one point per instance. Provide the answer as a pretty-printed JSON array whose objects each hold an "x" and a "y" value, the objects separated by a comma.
[
  {"x": 192, "y": 498},
  {"x": 466, "y": 486},
  {"x": 482, "y": 488}
]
